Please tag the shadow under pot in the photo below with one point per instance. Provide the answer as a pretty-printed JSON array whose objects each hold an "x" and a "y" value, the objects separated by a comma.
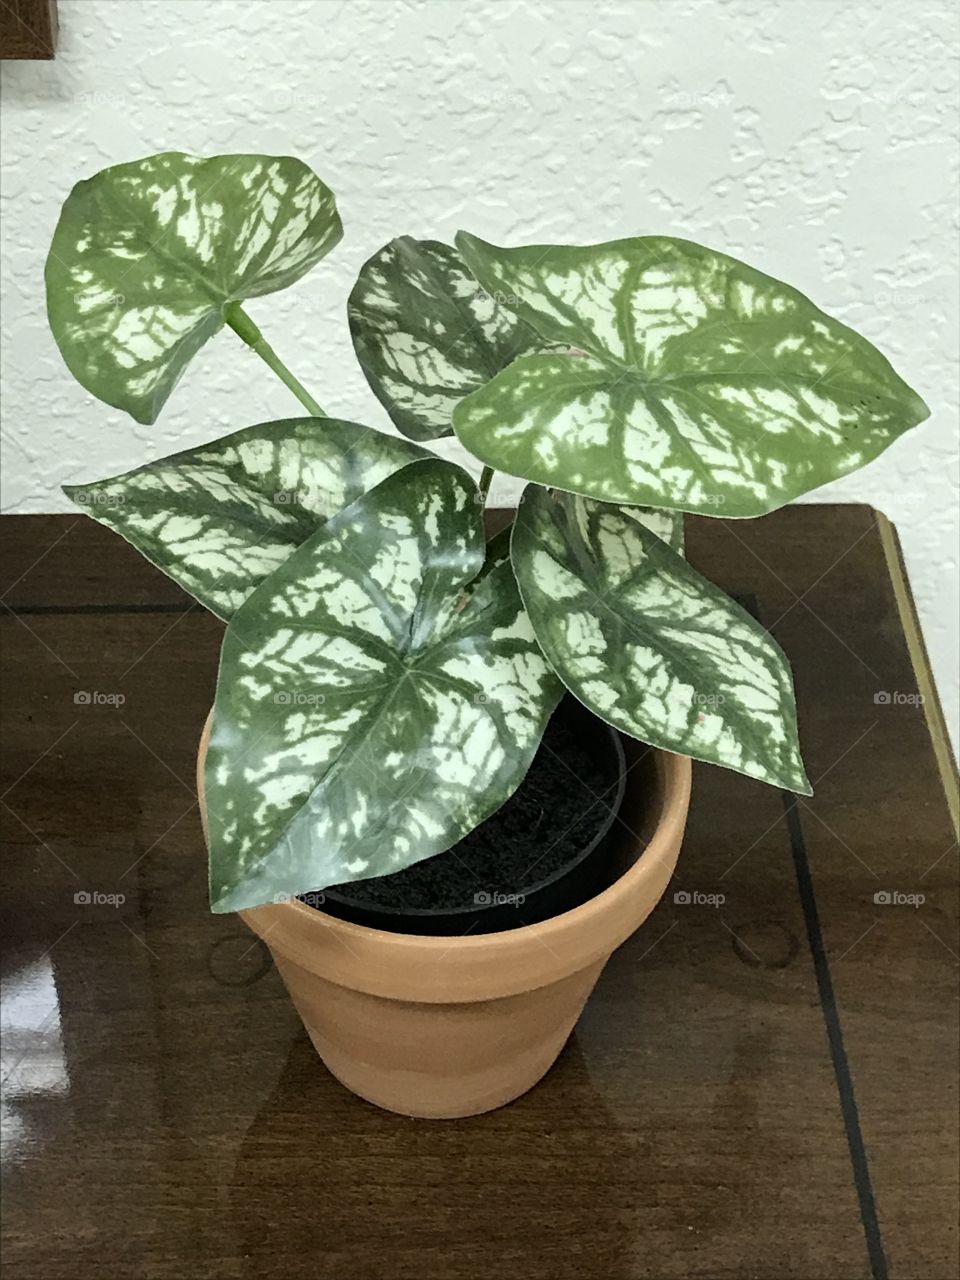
[{"x": 546, "y": 850}]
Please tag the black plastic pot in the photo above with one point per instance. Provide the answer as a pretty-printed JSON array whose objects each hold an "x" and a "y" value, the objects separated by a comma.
[{"x": 582, "y": 876}]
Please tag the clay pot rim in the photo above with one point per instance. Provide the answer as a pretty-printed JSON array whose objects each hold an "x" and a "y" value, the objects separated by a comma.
[{"x": 407, "y": 966}]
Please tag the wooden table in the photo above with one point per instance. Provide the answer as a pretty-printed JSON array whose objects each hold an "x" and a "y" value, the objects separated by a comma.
[{"x": 760, "y": 1089}]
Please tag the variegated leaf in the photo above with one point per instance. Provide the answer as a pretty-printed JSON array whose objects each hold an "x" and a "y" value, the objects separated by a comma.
[
  {"x": 220, "y": 517},
  {"x": 372, "y": 707},
  {"x": 426, "y": 333},
  {"x": 700, "y": 384},
  {"x": 667, "y": 525},
  {"x": 146, "y": 256},
  {"x": 648, "y": 644}
]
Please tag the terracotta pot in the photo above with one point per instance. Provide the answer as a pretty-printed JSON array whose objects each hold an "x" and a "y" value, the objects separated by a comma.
[{"x": 440, "y": 1027}]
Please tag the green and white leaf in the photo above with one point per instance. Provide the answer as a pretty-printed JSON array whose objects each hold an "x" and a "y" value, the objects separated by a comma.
[
  {"x": 370, "y": 709},
  {"x": 427, "y": 334},
  {"x": 651, "y": 646},
  {"x": 219, "y": 518},
  {"x": 701, "y": 384},
  {"x": 146, "y": 256},
  {"x": 667, "y": 525}
]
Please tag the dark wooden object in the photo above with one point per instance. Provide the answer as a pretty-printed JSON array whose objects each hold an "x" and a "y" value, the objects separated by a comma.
[
  {"x": 762, "y": 1089},
  {"x": 28, "y": 29}
]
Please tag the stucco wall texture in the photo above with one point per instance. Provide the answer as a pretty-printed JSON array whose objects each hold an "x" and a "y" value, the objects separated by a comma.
[{"x": 817, "y": 140}]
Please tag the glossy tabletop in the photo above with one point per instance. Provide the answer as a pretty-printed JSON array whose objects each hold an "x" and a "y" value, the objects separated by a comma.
[{"x": 763, "y": 1085}]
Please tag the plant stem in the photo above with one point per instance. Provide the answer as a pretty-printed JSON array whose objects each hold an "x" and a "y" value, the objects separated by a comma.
[
  {"x": 486, "y": 475},
  {"x": 244, "y": 327}
]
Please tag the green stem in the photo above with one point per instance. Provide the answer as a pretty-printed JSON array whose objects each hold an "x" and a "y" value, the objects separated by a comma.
[
  {"x": 486, "y": 475},
  {"x": 244, "y": 327}
]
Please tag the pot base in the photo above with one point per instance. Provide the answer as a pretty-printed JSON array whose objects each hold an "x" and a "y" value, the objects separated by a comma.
[{"x": 440, "y": 1061}]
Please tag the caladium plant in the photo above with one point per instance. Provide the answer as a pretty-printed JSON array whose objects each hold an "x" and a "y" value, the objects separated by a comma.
[{"x": 386, "y": 673}]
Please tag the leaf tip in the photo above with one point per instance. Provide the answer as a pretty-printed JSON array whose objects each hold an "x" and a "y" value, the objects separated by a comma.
[
  {"x": 471, "y": 247},
  {"x": 76, "y": 494},
  {"x": 920, "y": 408},
  {"x": 795, "y": 778}
]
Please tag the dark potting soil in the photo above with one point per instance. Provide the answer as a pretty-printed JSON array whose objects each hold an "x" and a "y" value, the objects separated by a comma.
[{"x": 550, "y": 818}]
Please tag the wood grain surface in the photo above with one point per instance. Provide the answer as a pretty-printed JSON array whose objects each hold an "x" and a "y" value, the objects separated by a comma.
[
  {"x": 28, "y": 29},
  {"x": 762, "y": 1089}
]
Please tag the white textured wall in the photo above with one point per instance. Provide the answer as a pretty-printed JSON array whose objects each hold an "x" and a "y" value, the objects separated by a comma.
[{"x": 817, "y": 140}]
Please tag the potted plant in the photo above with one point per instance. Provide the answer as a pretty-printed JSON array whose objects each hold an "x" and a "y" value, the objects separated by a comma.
[{"x": 412, "y": 788}]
